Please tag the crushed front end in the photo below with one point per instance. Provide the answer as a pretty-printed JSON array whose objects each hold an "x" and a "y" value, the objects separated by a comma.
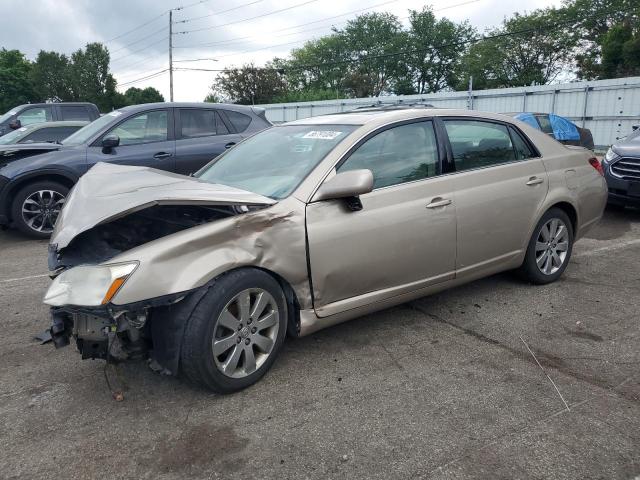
[{"x": 105, "y": 235}]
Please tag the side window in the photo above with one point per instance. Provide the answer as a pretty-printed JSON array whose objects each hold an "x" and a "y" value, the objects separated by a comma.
[
  {"x": 522, "y": 148},
  {"x": 34, "y": 115},
  {"x": 478, "y": 144},
  {"x": 40, "y": 135},
  {"x": 74, "y": 112},
  {"x": 240, "y": 121},
  {"x": 221, "y": 128},
  {"x": 196, "y": 123},
  {"x": 397, "y": 155},
  {"x": 545, "y": 123},
  {"x": 144, "y": 128}
]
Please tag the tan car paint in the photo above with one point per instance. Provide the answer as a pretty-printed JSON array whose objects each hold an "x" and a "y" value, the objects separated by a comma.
[{"x": 367, "y": 260}]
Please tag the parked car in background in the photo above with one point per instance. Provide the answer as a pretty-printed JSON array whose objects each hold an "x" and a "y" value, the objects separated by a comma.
[
  {"x": 48, "y": 132},
  {"x": 560, "y": 128},
  {"x": 622, "y": 170},
  {"x": 176, "y": 137},
  {"x": 24, "y": 115},
  {"x": 306, "y": 225}
]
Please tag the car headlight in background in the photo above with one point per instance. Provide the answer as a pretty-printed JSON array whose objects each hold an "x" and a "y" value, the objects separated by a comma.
[
  {"x": 610, "y": 156},
  {"x": 88, "y": 286}
]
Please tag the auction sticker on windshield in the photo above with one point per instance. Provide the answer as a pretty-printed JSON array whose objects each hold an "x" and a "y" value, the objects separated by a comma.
[
  {"x": 115, "y": 113},
  {"x": 322, "y": 134}
]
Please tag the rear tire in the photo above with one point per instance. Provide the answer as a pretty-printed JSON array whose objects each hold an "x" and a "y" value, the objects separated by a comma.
[
  {"x": 36, "y": 207},
  {"x": 235, "y": 333},
  {"x": 549, "y": 249}
]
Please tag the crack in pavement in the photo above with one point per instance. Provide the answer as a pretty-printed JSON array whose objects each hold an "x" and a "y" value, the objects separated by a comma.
[{"x": 546, "y": 359}]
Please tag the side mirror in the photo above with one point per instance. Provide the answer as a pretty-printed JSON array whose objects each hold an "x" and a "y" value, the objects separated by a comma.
[
  {"x": 15, "y": 124},
  {"x": 109, "y": 142},
  {"x": 348, "y": 185}
]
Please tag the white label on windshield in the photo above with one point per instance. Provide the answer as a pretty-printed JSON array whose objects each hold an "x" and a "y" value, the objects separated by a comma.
[
  {"x": 23, "y": 129},
  {"x": 115, "y": 113},
  {"x": 12, "y": 113},
  {"x": 322, "y": 134}
]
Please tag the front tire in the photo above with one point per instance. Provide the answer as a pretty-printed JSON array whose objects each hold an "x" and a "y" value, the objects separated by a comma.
[
  {"x": 549, "y": 249},
  {"x": 235, "y": 333},
  {"x": 36, "y": 207}
]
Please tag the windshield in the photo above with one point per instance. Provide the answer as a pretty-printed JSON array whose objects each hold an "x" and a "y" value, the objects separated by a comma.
[
  {"x": 7, "y": 116},
  {"x": 275, "y": 161},
  {"x": 14, "y": 136},
  {"x": 83, "y": 135}
]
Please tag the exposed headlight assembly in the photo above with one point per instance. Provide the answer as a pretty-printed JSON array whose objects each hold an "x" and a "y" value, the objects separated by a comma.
[
  {"x": 88, "y": 286},
  {"x": 610, "y": 156}
]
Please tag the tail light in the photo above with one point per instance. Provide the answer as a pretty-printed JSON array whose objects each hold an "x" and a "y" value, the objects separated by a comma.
[{"x": 595, "y": 163}]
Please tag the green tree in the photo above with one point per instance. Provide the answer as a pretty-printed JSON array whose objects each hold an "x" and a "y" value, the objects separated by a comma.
[
  {"x": 137, "y": 96},
  {"x": 249, "y": 84},
  {"x": 437, "y": 48},
  {"x": 317, "y": 66},
  {"x": 51, "y": 77},
  {"x": 90, "y": 77},
  {"x": 373, "y": 40},
  {"x": 15, "y": 80},
  {"x": 526, "y": 50},
  {"x": 606, "y": 34}
]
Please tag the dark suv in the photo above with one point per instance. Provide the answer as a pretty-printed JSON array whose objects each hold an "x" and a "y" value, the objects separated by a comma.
[
  {"x": 178, "y": 137},
  {"x": 24, "y": 115},
  {"x": 622, "y": 170}
]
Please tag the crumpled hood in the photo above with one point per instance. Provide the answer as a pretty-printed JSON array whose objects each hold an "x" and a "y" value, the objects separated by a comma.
[
  {"x": 108, "y": 191},
  {"x": 629, "y": 147}
]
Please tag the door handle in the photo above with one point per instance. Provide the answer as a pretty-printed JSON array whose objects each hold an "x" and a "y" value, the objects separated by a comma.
[
  {"x": 439, "y": 202},
  {"x": 535, "y": 181},
  {"x": 161, "y": 155},
  {"x": 229, "y": 145}
]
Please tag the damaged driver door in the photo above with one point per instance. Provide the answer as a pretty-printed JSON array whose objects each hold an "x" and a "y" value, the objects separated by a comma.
[{"x": 404, "y": 236}]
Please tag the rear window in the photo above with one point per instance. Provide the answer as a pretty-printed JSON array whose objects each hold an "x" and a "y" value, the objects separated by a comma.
[
  {"x": 75, "y": 112},
  {"x": 201, "y": 123},
  {"x": 240, "y": 121},
  {"x": 479, "y": 144}
]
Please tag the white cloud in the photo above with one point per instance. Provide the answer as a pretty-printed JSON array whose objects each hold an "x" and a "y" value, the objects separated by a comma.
[{"x": 66, "y": 25}]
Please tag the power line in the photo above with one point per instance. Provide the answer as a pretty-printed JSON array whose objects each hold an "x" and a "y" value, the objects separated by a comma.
[
  {"x": 147, "y": 77},
  {"x": 187, "y": 20},
  {"x": 325, "y": 26},
  {"x": 125, "y": 47},
  {"x": 137, "y": 28},
  {"x": 248, "y": 19},
  {"x": 418, "y": 50},
  {"x": 157, "y": 17},
  {"x": 138, "y": 63},
  {"x": 140, "y": 49},
  {"x": 196, "y": 60},
  {"x": 207, "y": 44}
]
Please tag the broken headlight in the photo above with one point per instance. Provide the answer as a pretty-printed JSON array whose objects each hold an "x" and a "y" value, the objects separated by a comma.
[{"x": 88, "y": 286}]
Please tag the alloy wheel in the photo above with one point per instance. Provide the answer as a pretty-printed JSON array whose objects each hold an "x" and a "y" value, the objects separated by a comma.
[
  {"x": 40, "y": 210},
  {"x": 245, "y": 333},
  {"x": 552, "y": 246}
]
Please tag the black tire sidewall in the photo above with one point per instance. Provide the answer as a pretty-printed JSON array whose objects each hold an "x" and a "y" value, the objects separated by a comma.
[
  {"x": 197, "y": 347},
  {"x": 19, "y": 198},
  {"x": 530, "y": 268}
]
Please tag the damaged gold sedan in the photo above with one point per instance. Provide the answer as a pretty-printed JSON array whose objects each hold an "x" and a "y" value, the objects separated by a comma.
[{"x": 306, "y": 225}]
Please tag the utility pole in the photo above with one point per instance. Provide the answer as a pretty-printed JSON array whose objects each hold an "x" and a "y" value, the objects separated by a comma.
[{"x": 171, "y": 55}]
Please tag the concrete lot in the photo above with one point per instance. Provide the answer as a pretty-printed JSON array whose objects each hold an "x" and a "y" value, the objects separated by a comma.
[{"x": 440, "y": 388}]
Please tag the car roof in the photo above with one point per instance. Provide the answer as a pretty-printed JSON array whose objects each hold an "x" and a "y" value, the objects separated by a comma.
[
  {"x": 44, "y": 104},
  {"x": 381, "y": 117},
  {"x": 226, "y": 106}
]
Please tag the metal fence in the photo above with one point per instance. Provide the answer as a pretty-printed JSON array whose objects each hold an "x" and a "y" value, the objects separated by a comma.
[{"x": 609, "y": 108}]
